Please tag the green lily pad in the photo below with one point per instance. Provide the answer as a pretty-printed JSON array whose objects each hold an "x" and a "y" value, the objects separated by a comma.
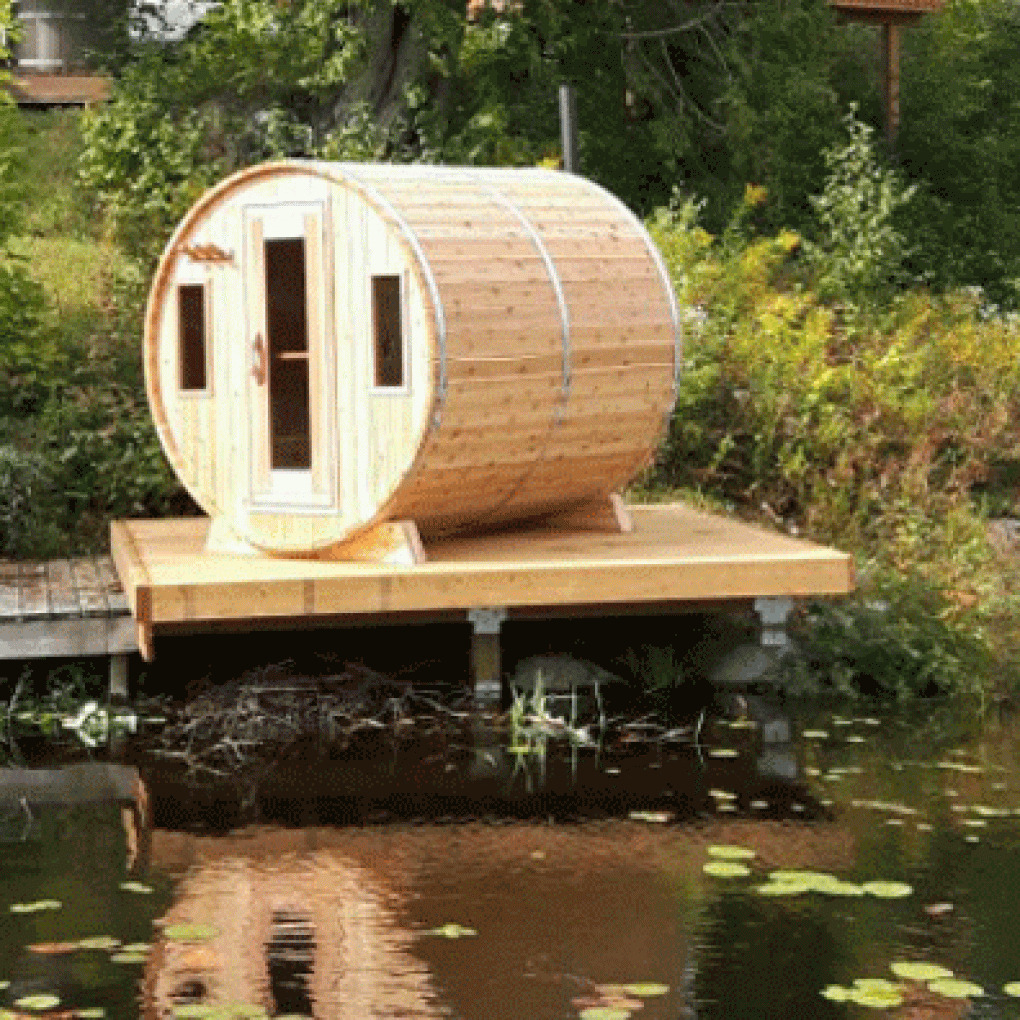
[
  {"x": 37, "y": 1002},
  {"x": 604, "y": 1013},
  {"x": 836, "y": 993},
  {"x": 128, "y": 958},
  {"x": 817, "y": 735},
  {"x": 839, "y": 888},
  {"x": 726, "y": 869},
  {"x": 4, "y": 985},
  {"x": 190, "y": 932},
  {"x": 136, "y": 887},
  {"x": 731, "y": 853},
  {"x": 916, "y": 970},
  {"x": 106, "y": 942},
  {"x": 192, "y": 1011},
  {"x": 888, "y": 890},
  {"x": 241, "y": 1011},
  {"x": 722, "y": 794},
  {"x": 136, "y": 947},
  {"x": 1012, "y": 988},
  {"x": 954, "y": 988},
  {"x": 90, "y": 1013},
  {"x": 782, "y": 889},
  {"x": 646, "y": 989},
  {"x": 876, "y": 998},
  {"x": 452, "y": 930},
  {"x": 723, "y": 752},
  {"x": 876, "y": 984},
  {"x": 31, "y": 908}
]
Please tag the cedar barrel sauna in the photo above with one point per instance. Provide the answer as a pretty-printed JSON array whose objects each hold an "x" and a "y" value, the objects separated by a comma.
[{"x": 330, "y": 347}]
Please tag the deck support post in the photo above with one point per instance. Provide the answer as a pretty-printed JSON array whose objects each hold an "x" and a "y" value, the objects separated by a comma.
[
  {"x": 118, "y": 678},
  {"x": 486, "y": 665},
  {"x": 773, "y": 614}
]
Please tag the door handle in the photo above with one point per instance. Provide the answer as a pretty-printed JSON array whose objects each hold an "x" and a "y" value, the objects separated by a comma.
[{"x": 258, "y": 359}]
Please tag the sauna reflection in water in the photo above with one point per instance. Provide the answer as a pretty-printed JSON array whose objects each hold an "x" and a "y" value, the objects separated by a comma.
[{"x": 288, "y": 933}]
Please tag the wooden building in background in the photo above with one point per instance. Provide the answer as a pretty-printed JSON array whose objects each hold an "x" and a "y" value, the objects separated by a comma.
[{"x": 51, "y": 59}]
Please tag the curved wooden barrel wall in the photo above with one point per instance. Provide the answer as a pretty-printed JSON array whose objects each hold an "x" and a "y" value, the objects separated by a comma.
[{"x": 547, "y": 323}]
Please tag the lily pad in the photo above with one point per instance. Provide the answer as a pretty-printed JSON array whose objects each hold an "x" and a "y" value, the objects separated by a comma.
[
  {"x": 876, "y": 998},
  {"x": 954, "y": 988},
  {"x": 31, "y": 908},
  {"x": 888, "y": 890},
  {"x": 722, "y": 794},
  {"x": 4, "y": 985},
  {"x": 723, "y": 752},
  {"x": 1012, "y": 988},
  {"x": 726, "y": 869},
  {"x": 136, "y": 887},
  {"x": 190, "y": 932},
  {"x": 452, "y": 930},
  {"x": 128, "y": 958},
  {"x": 136, "y": 947},
  {"x": 876, "y": 985},
  {"x": 916, "y": 970},
  {"x": 604, "y": 1013},
  {"x": 839, "y": 888},
  {"x": 646, "y": 989},
  {"x": 836, "y": 993},
  {"x": 37, "y": 1002},
  {"x": 52, "y": 948},
  {"x": 659, "y": 817},
  {"x": 816, "y": 735},
  {"x": 782, "y": 888},
  {"x": 90, "y": 1013},
  {"x": 731, "y": 853},
  {"x": 99, "y": 942},
  {"x": 192, "y": 1011}
]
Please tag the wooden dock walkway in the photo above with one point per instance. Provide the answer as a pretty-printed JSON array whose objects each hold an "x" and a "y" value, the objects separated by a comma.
[{"x": 66, "y": 608}]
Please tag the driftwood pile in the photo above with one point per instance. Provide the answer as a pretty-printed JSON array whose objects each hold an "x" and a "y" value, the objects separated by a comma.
[{"x": 247, "y": 724}]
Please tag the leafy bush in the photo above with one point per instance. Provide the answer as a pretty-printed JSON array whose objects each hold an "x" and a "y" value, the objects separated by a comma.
[
  {"x": 858, "y": 259},
  {"x": 873, "y": 434}
]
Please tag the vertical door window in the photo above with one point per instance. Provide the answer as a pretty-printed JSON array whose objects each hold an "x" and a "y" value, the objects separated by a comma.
[
  {"x": 389, "y": 339},
  {"x": 287, "y": 349},
  {"x": 192, "y": 334}
]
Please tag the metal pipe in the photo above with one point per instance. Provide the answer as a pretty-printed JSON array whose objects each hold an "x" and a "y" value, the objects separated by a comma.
[{"x": 568, "y": 128}]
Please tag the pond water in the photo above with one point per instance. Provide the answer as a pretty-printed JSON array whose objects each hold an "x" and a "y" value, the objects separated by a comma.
[{"x": 889, "y": 840}]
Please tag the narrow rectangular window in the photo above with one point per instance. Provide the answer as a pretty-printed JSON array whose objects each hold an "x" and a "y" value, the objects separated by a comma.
[
  {"x": 389, "y": 340},
  {"x": 192, "y": 332}
]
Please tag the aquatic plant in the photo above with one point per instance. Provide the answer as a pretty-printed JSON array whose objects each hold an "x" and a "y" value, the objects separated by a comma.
[
  {"x": 726, "y": 869},
  {"x": 876, "y": 993},
  {"x": 646, "y": 989},
  {"x": 136, "y": 887},
  {"x": 452, "y": 930},
  {"x": 37, "y": 1003},
  {"x": 888, "y": 890},
  {"x": 917, "y": 970},
  {"x": 955, "y": 988},
  {"x": 731, "y": 853}
]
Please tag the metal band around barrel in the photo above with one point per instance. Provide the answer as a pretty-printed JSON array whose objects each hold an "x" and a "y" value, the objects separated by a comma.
[
  {"x": 554, "y": 278},
  {"x": 674, "y": 311},
  {"x": 430, "y": 280}
]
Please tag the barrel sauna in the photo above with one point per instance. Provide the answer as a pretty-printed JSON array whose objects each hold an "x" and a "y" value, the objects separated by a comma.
[{"x": 332, "y": 346}]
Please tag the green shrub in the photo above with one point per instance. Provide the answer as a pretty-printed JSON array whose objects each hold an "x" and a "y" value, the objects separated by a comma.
[
  {"x": 873, "y": 434},
  {"x": 858, "y": 258}
]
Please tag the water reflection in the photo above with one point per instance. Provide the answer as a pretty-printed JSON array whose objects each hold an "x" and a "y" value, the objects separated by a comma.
[{"x": 261, "y": 921}]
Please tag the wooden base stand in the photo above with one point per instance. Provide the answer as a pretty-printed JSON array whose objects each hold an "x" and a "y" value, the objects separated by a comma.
[
  {"x": 607, "y": 515},
  {"x": 394, "y": 542}
]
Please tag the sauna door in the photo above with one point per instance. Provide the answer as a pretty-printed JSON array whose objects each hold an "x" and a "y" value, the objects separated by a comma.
[{"x": 291, "y": 461}]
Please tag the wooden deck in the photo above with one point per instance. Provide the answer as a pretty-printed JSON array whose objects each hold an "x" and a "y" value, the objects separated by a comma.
[
  {"x": 63, "y": 608},
  {"x": 676, "y": 557}
]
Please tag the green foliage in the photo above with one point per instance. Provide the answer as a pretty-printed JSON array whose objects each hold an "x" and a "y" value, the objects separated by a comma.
[
  {"x": 255, "y": 80},
  {"x": 874, "y": 435},
  {"x": 858, "y": 259},
  {"x": 661, "y": 679},
  {"x": 960, "y": 141}
]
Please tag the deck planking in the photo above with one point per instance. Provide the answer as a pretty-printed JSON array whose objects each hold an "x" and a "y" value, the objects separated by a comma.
[
  {"x": 68, "y": 607},
  {"x": 675, "y": 555}
]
